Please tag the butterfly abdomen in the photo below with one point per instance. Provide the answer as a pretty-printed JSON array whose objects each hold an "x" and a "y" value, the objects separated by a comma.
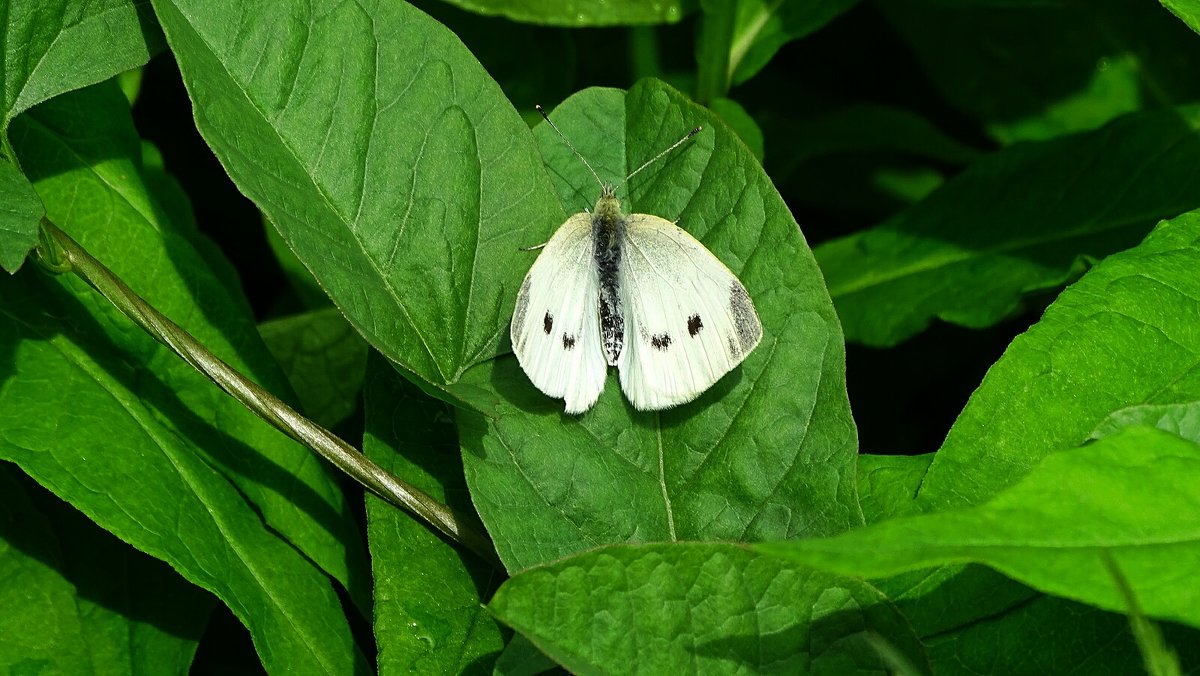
[{"x": 608, "y": 225}]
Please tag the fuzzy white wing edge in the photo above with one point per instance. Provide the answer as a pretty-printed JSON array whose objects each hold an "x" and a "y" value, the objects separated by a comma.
[
  {"x": 688, "y": 319},
  {"x": 556, "y": 327}
]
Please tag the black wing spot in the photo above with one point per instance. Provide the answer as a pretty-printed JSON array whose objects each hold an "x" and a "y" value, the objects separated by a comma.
[
  {"x": 694, "y": 325},
  {"x": 568, "y": 341},
  {"x": 660, "y": 342},
  {"x": 547, "y": 323}
]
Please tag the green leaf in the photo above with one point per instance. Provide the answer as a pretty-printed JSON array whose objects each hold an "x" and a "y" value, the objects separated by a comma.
[
  {"x": 20, "y": 213},
  {"x": 324, "y": 360},
  {"x": 1123, "y": 335},
  {"x": 41, "y": 625},
  {"x": 1181, "y": 419},
  {"x": 1187, "y": 10},
  {"x": 1033, "y": 71},
  {"x": 703, "y": 608},
  {"x": 77, "y": 600},
  {"x": 1131, "y": 496},
  {"x": 81, "y": 149},
  {"x": 888, "y": 484},
  {"x": 1021, "y": 220},
  {"x": 522, "y": 658},
  {"x": 308, "y": 292},
  {"x": 57, "y": 47},
  {"x": 96, "y": 439},
  {"x": 117, "y": 425},
  {"x": 580, "y": 13},
  {"x": 544, "y": 69},
  {"x": 736, "y": 118},
  {"x": 390, "y": 162},
  {"x": 1047, "y": 635},
  {"x": 768, "y": 452},
  {"x": 429, "y": 615},
  {"x": 762, "y": 27}
]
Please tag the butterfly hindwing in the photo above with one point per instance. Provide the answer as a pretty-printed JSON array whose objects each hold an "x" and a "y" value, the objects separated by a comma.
[
  {"x": 688, "y": 319},
  {"x": 555, "y": 329}
]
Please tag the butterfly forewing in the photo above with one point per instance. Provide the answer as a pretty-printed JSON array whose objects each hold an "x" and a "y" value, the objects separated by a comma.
[
  {"x": 688, "y": 320},
  {"x": 555, "y": 329}
]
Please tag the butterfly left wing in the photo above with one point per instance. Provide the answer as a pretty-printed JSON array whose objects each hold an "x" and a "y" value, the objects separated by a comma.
[
  {"x": 688, "y": 319},
  {"x": 555, "y": 327}
]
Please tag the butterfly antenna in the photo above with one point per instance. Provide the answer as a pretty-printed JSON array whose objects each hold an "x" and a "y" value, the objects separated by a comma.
[
  {"x": 657, "y": 157},
  {"x": 569, "y": 145}
]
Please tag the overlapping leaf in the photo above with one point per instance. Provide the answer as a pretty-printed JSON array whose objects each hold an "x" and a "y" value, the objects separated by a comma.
[
  {"x": 77, "y": 600},
  {"x": 1130, "y": 497},
  {"x": 762, "y": 27},
  {"x": 390, "y": 162},
  {"x": 20, "y": 212},
  {"x": 704, "y": 608},
  {"x": 124, "y": 430},
  {"x": 56, "y": 46},
  {"x": 1123, "y": 335},
  {"x": 429, "y": 616},
  {"x": 324, "y": 359},
  {"x": 1021, "y": 220},
  {"x": 1034, "y": 71}
]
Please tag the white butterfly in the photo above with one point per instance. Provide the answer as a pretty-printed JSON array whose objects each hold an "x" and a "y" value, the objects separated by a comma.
[{"x": 635, "y": 292}]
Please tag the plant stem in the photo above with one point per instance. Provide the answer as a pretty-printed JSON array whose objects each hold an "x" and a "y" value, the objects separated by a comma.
[
  {"x": 713, "y": 45},
  {"x": 264, "y": 404}
]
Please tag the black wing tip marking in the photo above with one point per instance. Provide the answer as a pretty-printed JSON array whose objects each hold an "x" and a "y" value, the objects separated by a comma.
[{"x": 745, "y": 319}]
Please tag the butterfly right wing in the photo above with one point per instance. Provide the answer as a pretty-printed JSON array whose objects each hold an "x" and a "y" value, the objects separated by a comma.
[{"x": 556, "y": 327}]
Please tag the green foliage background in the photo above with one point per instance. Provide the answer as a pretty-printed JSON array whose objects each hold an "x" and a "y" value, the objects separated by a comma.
[{"x": 968, "y": 443}]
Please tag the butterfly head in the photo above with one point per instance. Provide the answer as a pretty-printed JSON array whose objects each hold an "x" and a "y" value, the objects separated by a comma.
[{"x": 608, "y": 207}]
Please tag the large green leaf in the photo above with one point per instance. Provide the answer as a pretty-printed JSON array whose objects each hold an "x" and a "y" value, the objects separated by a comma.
[
  {"x": 1123, "y": 335},
  {"x": 390, "y": 162},
  {"x": 117, "y": 425},
  {"x": 81, "y": 149},
  {"x": 77, "y": 600},
  {"x": 20, "y": 213},
  {"x": 1020, "y": 220},
  {"x": 768, "y": 452},
  {"x": 429, "y": 616},
  {"x": 77, "y": 417},
  {"x": 55, "y": 46},
  {"x": 1130, "y": 497},
  {"x": 704, "y": 608},
  {"x": 1036, "y": 70},
  {"x": 977, "y": 622}
]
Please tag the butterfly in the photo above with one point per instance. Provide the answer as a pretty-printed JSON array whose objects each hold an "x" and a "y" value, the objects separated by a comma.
[{"x": 633, "y": 291}]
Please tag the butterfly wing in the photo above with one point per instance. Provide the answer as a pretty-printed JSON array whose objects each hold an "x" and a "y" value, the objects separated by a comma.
[
  {"x": 688, "y": 319},
  {"x": 555, "y": 327}
]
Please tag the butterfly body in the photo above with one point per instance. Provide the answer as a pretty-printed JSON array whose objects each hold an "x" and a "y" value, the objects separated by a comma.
[{"x": 636, "y": 292}]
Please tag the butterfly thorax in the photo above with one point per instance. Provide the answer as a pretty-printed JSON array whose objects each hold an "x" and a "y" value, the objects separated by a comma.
[{"x": 608, "y": 225}]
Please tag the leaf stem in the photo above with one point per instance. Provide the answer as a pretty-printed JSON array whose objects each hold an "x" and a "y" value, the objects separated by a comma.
[{"x": 264, "y": 404}]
